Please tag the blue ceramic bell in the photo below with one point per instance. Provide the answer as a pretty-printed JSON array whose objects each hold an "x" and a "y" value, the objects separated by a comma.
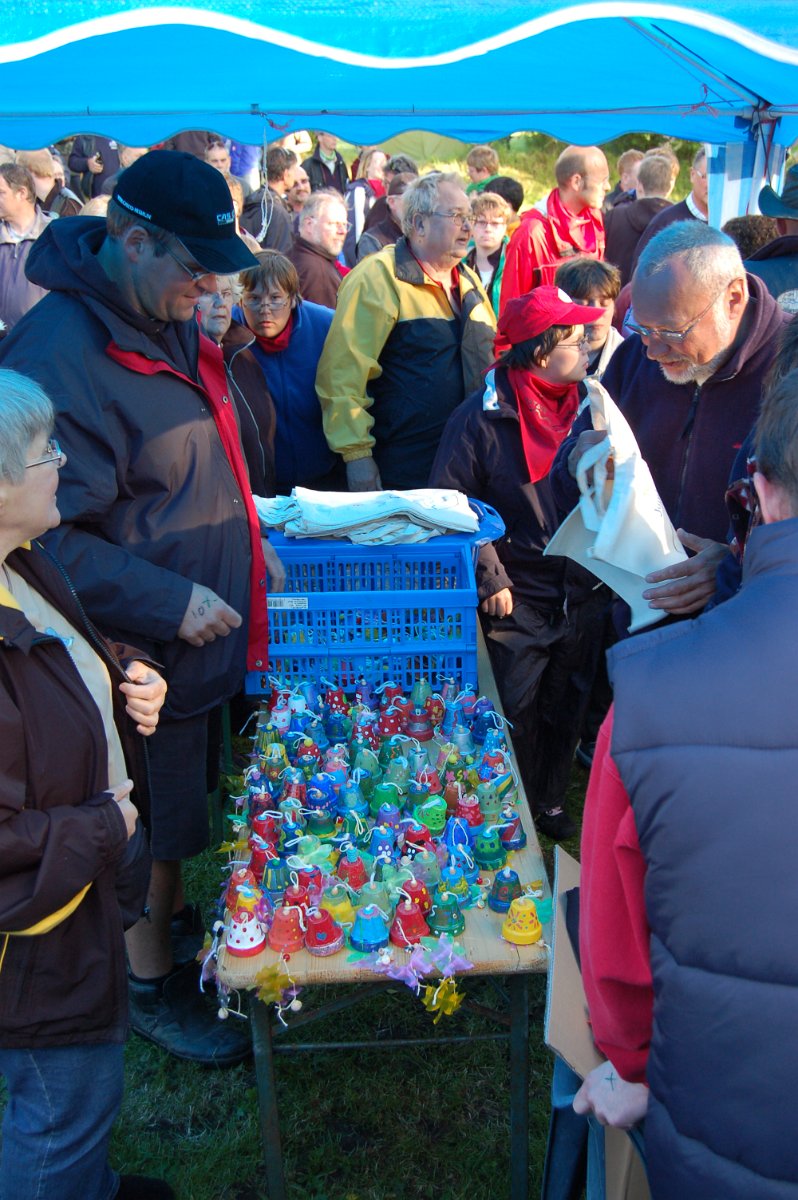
[{"x": 370, "y": 931}]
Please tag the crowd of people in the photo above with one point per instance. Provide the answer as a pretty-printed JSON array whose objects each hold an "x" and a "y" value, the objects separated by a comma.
[{"x": 185, "y": 326}]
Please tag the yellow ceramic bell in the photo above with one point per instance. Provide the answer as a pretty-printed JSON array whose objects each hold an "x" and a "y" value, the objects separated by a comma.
[
  {"x": 521, "y": 925},
  {"x": 337, "y": 903}
]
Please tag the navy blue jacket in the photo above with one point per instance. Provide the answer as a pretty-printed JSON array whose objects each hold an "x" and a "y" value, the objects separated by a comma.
[
  {"x": 706, "y": 743},
  {"x": 301, "y": 453}
]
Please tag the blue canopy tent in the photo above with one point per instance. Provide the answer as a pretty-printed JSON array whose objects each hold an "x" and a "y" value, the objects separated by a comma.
[{"x": 367, "y": 69}]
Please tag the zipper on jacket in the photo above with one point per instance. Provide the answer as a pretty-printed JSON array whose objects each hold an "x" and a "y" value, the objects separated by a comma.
[{"x": 687, "y": 432}]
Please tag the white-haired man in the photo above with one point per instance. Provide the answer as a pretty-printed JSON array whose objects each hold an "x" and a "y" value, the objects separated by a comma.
[
  {"x": 689, "y": 384},
  {"x": 413, "y": 332}
]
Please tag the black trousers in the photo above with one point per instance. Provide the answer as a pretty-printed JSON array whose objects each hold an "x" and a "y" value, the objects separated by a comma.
[{"x": 536, "y": 657}]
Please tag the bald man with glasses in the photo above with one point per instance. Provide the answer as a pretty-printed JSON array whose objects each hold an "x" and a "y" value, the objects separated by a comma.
[{"x": 689, "y": 382}]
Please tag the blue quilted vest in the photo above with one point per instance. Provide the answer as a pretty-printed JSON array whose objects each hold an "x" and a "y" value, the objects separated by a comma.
[{"x": 706, "y": 741}]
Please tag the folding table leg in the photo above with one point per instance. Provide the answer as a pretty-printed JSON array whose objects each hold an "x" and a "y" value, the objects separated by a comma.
[
  {"x": 260, "y": 1015},
  {"x": 518, "y": 986}
]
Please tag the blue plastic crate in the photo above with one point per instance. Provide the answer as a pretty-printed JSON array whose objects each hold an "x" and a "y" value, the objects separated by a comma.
[{"x": 385, "y": 612}]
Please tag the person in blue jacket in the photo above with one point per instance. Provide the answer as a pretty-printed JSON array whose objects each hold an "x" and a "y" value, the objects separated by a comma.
[{"x": 289, "y": 335}]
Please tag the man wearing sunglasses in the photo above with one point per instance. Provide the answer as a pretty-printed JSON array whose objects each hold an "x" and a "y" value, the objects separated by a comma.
[
  {"x": 158, "y": 529},
  {"x": 689, "y": 383}
]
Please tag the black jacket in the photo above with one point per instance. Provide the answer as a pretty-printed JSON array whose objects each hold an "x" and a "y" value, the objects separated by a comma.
[
  {"x": 777, "y": 265},
  {"x": 148, "y": 499},
  {"x": 482, "y": 455},
  {"x": 321, "y": 176}
]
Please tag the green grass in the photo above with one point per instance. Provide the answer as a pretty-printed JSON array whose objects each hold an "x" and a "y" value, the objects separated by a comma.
[{"x": 402, "y": 1124}]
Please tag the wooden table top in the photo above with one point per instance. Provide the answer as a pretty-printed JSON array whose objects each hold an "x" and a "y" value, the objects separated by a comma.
[{"x": 482, "y": 941}]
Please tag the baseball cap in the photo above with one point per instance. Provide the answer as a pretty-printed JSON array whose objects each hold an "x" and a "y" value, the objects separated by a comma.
[
  {"x": 527, "y": 316},
  {"x": 190, "y": 199},
  {"x": 785, "y": 205}
]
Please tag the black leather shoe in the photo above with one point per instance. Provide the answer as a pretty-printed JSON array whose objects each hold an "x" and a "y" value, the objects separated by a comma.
[
  {"x": 177, "y": 1017},
  {"x": 188, "y": 934},
  {"x": 555, "y": 824},
  {"x": 141, "y": 1187}
]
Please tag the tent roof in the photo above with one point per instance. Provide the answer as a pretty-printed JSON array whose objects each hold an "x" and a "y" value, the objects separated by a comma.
[{"x": 367, "y": 69}]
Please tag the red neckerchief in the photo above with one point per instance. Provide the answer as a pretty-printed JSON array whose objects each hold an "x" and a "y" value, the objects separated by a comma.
[
  {"x": 583, "y": 231},
  {"x": 280, "y": 342},
  {"x": 377, "y": 187},
  {"x": 342, "y": 269},
  {"x": 546, "y": 412}
]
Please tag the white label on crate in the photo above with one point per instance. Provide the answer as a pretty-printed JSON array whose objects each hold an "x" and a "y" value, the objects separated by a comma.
[{"x": 287, "y": 602}]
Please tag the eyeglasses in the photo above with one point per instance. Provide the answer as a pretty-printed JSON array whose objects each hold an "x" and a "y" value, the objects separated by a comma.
[
  {"x": 460, "y": 218},
  {"x": 53, "y": 454},
  {"x": 673, "y": 337},
  {"x": 193, "y": 275},
  {"x": 582, "y": 344},
  {"x": 223, "y": 297},
  {"x": 341, "y": 226},
  {"x": 273, "y": 303},
  {"x": 480, "y": 224}
]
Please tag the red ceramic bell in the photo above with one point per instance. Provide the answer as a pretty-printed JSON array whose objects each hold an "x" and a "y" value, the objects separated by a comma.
[
  {"x": 408, "y": 926},
  {"x": 352, "y": 869},
  {"x": 241, "y": 877},
  {"x": 296, "y": 894},
  {"x": 418, "y": 893},
  {"x": 323, "y": 935},
  {"x": 419, "y": 725},
  {"x": 388, "y": 693},
  {"x": 468, "y": 809},
  {"x": 286, "y": 935}
]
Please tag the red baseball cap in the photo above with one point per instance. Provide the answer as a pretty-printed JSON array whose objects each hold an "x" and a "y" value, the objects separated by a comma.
[{"x": 527, "y": 316}]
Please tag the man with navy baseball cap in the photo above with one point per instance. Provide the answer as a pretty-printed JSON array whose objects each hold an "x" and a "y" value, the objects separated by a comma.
[{"x": 158, "y": 533}]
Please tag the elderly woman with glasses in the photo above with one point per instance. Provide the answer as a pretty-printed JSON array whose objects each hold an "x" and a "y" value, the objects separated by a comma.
[
  {"x": 73, "y": 861},
  {"x": 498, "y": 446},
  {"x": 287, "y": 334}
]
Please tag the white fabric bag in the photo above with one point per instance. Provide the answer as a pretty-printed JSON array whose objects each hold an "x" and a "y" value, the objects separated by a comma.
[{"x": 619, "y": 530}]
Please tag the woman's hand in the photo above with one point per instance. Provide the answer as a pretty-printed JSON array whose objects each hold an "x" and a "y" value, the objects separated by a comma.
[{"x": 145, "y": 690}]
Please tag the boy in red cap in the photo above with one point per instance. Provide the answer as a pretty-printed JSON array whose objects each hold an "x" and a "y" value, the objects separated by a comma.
[{"x": 498, "y": 446}]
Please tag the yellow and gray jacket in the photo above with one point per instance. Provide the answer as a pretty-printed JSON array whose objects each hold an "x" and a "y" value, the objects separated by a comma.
[{"x": 397, "y": 362}]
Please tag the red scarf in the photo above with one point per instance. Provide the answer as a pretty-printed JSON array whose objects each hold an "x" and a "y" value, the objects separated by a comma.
[
  {"x": 581, "y": 232},
  {"x": 280, "y": 342},
  {"x": 546, "y": 412}
]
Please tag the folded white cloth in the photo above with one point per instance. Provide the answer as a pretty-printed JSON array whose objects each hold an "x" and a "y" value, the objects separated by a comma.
[
  {"x": 369, "y": 518},
  {"x": 619, "y": 530}
]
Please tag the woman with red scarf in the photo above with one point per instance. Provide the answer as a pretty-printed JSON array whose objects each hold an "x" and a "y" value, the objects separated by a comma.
[
  {"x": 498, "y": 446},
  {"x": 289, "y": 334}
]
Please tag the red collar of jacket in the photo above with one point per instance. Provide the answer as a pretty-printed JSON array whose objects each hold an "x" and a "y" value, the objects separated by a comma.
[{"x": 213, "y": 386}]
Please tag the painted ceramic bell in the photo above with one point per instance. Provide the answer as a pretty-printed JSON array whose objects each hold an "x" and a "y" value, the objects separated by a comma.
[
  {"x": 418, "y": 893},
  {"x": 435, "y": 708},
  {"x": 398, "y": 773},
  {"x": 335, "y": 700},
  {"x": 338, "y": 727},
  {"x": 445, "y": 916},
  {"x": 321, "y": 823},
  {"x": 415, "y": 837},
  {"x": 453, "y": 880},
  {"x": 432, "y": 813},
  {"x": 419, "y": 725},
  {"x": 297, "y": 895},
  {"x": 457, "y": 833},
  {"x": 307, "y": 757},
  {"x": 420, "y": 692},
  {"x": 389, "y": 815},
  {"x": 336, "y": 764},
  {"x": 388, "y": 692},
  {"x": 276, "y": 877},
  {"x": 384, "y": 793},
  {"x": 321, "y": 793},
  {"x": 430, "y": 779},
  {"x": 490, "y": 803},
  {"x": 366, "y": 760},
  {"x": 453, "y": 715},
  {"x": 281, "y": 717},
  {"x": 338, "y": 904},
  {"x": 521, "y": 925},
  {"x": 240, "y": 877},
  {"x": 404, "y": 706},
  {"x": 408, "y": 926},
  {"x": 246, "y": 935},
  {"x": 468, "y": 698},
  {"x": 506, "y": 888},
  {"x": 286, "y": 935},
  {"x": 512, "y": 831},
  {"x": 315, "y": 731},
  {"x": 462, "y": 857},
  {"x": 365, "y": 694},
  {"x": 468, "y": 811},
  {"x": 323, "y": 936},
  {"x": 262, "y": 854},
  {"x": 351, "y": 799},
  {"x": 312, "y": 879},
  {"x": 290, "y": 809},
  {"x": 266, "y": 733},
  {"x": 442, "y": 755},
  {"x": 427, "y": 869},
  {"x": 355, "y": 828},
  {"x": 310, "y": 694},
  {"x": 374, "y": 892},
  {"x": 462, "y": 739},
  {"x": 484, "y": 718},
  {"x": 370, "y": 930},
  {"x": 489, "y": 853},
  {"x": 264, "y": 826},
  {"x": 382, "y": 843},
  {"x": 294, "y": 785},
  {"x": 351, "y": 868},
  {"x": 390, "y": 722},
  {"x": 452, "y": 794},
  {"x": 417, "y": 757}
]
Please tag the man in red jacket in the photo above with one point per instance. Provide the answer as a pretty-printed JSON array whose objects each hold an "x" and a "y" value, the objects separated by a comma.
[{"x": 572, "y": 223}]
